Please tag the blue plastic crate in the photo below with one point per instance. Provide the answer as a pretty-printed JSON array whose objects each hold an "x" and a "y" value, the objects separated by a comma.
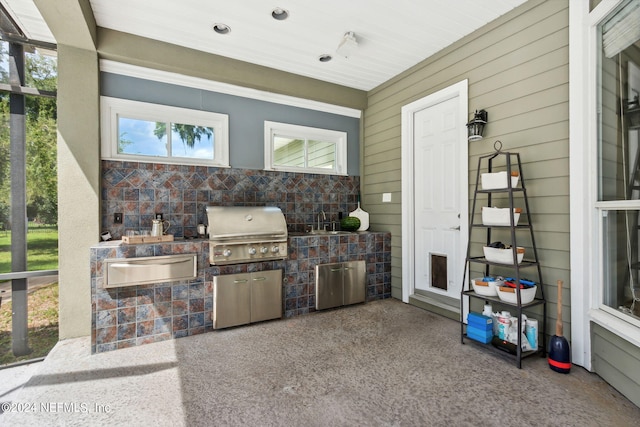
[
  {"x": 480, "y": 321},
  {"x": 479, "y": 335}
]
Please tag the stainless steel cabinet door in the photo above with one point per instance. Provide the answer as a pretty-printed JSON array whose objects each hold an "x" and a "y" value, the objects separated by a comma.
[
  {"x": 355, "y": 281},
  {"x": 329, "y": 287},
  {"x": 266, "y": 295},
  {"x": 231, "y": 296}
]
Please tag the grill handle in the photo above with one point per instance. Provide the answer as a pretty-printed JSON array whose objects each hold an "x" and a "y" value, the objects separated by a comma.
[{"x": 236, "y": 236}]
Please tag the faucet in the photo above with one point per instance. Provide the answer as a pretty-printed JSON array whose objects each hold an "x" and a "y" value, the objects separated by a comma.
[{"x": 324, "y": 218}]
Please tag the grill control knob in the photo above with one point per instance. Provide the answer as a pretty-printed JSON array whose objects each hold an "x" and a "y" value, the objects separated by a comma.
[
  {"x": 275, "y": 249},
  {"x": 252, "y": 251},
  {"x": 264, "y": 250},
  {"x": 226, "y": 252}
]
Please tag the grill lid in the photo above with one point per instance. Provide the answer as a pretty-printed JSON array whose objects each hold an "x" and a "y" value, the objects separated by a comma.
[{"x": 232, "y": 223}]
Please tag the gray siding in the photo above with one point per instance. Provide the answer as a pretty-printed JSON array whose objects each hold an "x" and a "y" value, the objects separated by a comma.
[
  {"x": 518, "y": 70},
  {"x": 616, "y": 361}
]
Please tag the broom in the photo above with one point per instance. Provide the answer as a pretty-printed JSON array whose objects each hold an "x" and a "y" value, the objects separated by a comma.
[{"x": 559, "y": 351}]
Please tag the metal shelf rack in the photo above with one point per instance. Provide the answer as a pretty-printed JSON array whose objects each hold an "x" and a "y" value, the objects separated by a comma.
[{"x": 508, "y": 161}]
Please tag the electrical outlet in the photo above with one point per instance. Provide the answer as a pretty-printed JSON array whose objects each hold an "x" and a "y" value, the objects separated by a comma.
[
  {"x": 159, "y": 216},
  {"x": 117, "y": 218}
]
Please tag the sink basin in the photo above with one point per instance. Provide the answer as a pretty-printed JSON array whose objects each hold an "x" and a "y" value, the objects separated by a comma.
[
  {"x": 320, "y": 233},
  {"x": 332, "y": 232}
]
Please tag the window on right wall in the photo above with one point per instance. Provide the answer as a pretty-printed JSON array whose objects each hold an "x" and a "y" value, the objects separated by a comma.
[
  {"x": 297, "y": 148},
  {"x": 618, "y": 202}
]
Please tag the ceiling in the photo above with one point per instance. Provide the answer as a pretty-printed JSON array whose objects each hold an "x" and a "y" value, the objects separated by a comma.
[{"x": 392, "y": 36}]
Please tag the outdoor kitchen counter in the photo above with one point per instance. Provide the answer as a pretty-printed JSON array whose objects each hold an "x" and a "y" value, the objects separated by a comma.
[{"x": 135, "y": 315}]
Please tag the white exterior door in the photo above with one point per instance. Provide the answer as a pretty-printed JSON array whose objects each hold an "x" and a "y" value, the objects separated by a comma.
[
  {"x": 437, "y": 204},
  {"x": 435, "y": 193}
]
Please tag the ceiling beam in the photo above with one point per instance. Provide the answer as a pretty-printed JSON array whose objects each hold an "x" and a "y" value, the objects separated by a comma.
[{"x": 71, "y": 22}]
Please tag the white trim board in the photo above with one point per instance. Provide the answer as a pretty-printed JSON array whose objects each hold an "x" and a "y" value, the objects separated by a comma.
[
  {"x": 579, "y": 184},
  {"x": 115, "y": 67},
  {"x": 461, "y": 90},
  {"x": 585, "y": 243}
]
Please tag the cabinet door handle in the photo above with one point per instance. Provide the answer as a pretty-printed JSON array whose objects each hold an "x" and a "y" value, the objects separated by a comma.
[
  {"x": 240, "y": 281},
  {"x": 455, "y": 228},
  {"x": 336, "y": 269},
  {"x": 259, "y": 279}
]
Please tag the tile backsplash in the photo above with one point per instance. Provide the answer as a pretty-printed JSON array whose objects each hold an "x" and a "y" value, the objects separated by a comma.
[{"x": 181, "y": 193}]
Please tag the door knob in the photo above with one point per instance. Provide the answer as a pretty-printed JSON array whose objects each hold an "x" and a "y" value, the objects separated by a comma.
[{"x": 455, "y": 228}]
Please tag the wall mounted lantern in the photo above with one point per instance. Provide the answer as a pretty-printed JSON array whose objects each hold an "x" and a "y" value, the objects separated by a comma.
[{"x": 476, "y": 125}]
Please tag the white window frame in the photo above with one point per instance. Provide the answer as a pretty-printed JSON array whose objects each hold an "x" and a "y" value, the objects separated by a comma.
[
  {"x": 112, "y": 108},
  {"x": 272, "y": 129},
  {"x": 586, "y": 210}
]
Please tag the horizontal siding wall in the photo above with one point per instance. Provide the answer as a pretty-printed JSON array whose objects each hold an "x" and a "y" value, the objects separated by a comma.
[
  {"x": 616, "y": 361},
  {"x": 518, "y": 70}
]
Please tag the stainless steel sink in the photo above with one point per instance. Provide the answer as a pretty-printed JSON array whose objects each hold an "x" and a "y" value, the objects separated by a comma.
[
  {"x": 320, "y": 233},
  {"x": 330, "y": 232}
]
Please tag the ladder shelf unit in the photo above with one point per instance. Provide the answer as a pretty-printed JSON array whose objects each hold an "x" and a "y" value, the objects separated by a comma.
[{"x": 512, "y": 195}]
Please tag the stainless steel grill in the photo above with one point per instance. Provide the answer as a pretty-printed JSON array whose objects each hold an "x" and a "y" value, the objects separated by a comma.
[{"x": 240, "y": 234}]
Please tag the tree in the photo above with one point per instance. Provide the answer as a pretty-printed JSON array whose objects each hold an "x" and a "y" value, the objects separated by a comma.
[
  {"x": 123, "y": 142},
  {"x": 4, "y": 141},
  {"x": 41, "y": 135},
  {"x": 42, "y": 175},
  {"x": 189, "y": 134},
  {"x": 42, "y": 182}
]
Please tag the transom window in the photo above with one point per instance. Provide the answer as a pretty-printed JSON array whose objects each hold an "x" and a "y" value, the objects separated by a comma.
[
  {"x": 304, "y": 149},
  {"x": 158, "y": 133}
]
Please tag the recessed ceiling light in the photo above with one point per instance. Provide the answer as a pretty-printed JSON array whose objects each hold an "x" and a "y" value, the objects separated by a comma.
[
  {"x": 325, "y": 57},
  {"x": 221, "y": 28},
  {"x": 280, "y": 14}
]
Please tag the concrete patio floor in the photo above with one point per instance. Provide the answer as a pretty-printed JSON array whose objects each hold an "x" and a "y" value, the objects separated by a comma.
[{"x": 380, "y": 363}]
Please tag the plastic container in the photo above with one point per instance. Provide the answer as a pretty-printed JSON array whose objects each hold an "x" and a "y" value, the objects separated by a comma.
[
  {"x": 531, "y": 331},
  {"x": 502, "y": 256},
  {"x": 509, "y": 294},
  {"x": 498, "y": 180},
  {"x": 485, "y": 287},
  {"x": 488, "y": 310},
  {"x": 479, "y": 335},
  {"x": 499, "y": 216},
  {"x": 504, "y": 322},
  {"x": 480, "y": 321}
]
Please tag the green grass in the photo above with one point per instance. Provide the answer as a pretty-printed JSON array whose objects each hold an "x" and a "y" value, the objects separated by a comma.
[
  {"x": 42, "y": 249},
  {"x": 42, "y": 254},
  {"x": 42, "y": 325}
]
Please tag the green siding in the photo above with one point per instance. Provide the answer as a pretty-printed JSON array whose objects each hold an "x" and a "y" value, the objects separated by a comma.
[
  {"x": 616, "y": 361},
  {"x": 518, "y": 70}
]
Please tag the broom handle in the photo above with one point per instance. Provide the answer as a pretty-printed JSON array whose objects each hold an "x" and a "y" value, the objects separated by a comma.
[{"x": 559, "y": 317}]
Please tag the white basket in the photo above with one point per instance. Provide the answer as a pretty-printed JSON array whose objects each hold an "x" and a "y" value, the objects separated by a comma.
[
  {"x": 487, "y": 289},
  {"x": 509, "y": 294},
  {"x": 502, "y": 256},
  {"x": 499, "y": 216},
  {"x": 496, "y": 180}
]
